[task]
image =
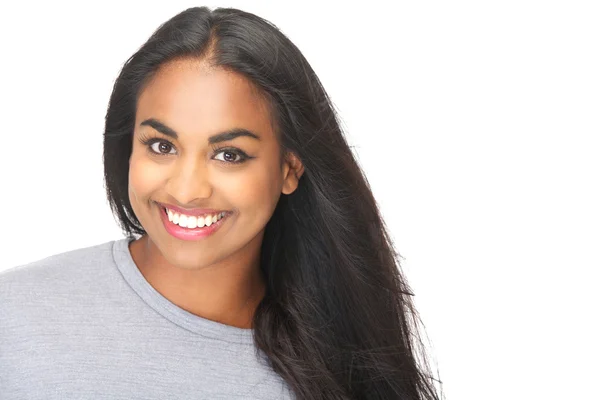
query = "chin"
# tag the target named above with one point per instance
(185, 258)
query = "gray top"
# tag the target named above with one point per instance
(86, 324)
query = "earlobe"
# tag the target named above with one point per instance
(289, 186)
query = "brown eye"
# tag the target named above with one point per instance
(161, 147)
(232, 156)
(229, 156)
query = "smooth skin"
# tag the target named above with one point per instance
(216, 277)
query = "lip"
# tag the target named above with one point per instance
(195, 212)
(187, 233)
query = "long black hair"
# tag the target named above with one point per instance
(337, 320)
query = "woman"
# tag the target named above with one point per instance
(255, 264)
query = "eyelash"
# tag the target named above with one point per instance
(148, 142)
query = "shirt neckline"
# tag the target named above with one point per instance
(172, 312)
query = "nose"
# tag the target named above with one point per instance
(189, 182)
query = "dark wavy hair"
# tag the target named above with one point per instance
(337, 320)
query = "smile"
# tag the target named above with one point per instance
(191, 221)
(190, 227)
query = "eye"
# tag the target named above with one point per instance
(232, 156)
(162, 147)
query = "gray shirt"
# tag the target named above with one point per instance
(86, 324)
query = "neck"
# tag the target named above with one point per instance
(227, 292)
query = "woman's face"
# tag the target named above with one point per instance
(182, 157)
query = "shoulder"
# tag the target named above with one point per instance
(55, 263)
(53, 273)
(43, 301)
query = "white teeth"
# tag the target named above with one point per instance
(183, 221)
(191, 222)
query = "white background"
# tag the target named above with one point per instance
(477, 124)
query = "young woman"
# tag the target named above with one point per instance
(256, 264)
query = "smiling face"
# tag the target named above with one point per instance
(203, 140)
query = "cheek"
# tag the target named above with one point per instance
(144, 178)
(257, 190)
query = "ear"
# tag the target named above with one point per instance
(292, 171)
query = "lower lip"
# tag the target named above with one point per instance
(187, 233)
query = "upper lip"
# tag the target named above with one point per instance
(190, 211)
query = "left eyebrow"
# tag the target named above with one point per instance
(229, 134)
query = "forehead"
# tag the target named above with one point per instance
(194, 98)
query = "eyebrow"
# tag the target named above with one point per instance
(229, 134)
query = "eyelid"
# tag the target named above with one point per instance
(149, 141)
(242, 154)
